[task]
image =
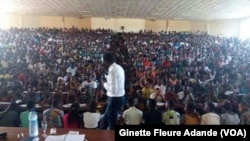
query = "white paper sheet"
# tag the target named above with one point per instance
(66, 137)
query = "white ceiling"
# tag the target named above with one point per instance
(145, 9)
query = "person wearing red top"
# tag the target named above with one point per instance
(73, 118)
(146, 63)
(166, 63)
(21, 77)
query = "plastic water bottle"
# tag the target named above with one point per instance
(33, 124)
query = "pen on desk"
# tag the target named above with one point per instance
(64, 139)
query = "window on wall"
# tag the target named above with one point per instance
(244, 29)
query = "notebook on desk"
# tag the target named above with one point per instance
(66, 137)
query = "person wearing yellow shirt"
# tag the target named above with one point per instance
(147, 89)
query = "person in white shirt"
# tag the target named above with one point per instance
(72, 69)
(210, 117)
(162, 84)
(228, 117)
(90, 83)
(157, 95)
(91, 118)
(133, 115)
(115, 87)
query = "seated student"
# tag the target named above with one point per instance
(152, 116)
(101, 98)
(157, 95)
(86, 96)
(210, 117)
(190, 116)
(244, 113)
(53, 115)
(73, 118)
(10, 117)
(228, 117)
(91, 118)
(171, 117)
(24, 116)
(133, 115)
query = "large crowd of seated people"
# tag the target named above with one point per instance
(171, 77)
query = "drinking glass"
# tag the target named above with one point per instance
(44, 127)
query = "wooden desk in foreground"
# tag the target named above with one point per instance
(90, 134)
(41, 107)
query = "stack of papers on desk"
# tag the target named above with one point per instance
(66, 137)
(83, 105)
(67, 105)
(25, 105)
(4, 103)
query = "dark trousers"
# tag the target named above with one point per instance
(110, 117)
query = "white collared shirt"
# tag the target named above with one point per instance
(72, 70)
(132, 116)
(91, 120)
(91, 84)
(210, 119)
(115, 84)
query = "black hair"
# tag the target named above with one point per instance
(74, 113)
(131, 102)
(13, 106)
(227, 106)
(151, 103)
(171, 103)
(108, 57)
(211, 106)
(244, 103)
(30, 105)
(55, 103)
(93, 106)
(191, 106)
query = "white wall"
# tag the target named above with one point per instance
(130, 25)
(228, 28)
(186, 25)
(102, 23)
(51, 21)
(7, 21)
(77, 22)
(225, 27)
(198, 26)
(179, 25)
(155, 25)
(244, 29)
(31, 21)
(134, 25)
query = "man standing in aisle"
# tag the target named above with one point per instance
(114, 83)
